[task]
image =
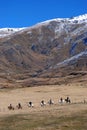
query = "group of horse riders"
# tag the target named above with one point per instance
(42, 103)
(19, 106)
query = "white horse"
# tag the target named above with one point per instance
(30, 104)
(50, 102)
(43, 103)
(61, 100)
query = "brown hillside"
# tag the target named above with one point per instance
(48, 53)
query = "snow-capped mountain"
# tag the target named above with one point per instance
(78, 19)
(5, 32)
(53, 49)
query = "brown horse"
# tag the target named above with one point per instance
(19, 106)
(10, 107)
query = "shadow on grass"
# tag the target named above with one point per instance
(44, 122)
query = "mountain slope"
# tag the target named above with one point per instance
(47, 53)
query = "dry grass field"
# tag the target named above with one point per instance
(55, 117)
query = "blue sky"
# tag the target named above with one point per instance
(24, 13)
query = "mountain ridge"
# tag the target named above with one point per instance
(80, 18)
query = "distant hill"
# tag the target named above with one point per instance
(51, 52)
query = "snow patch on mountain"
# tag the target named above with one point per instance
(73, 58)
(4, 32)
(78, 19)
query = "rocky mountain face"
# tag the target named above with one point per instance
(51, 52)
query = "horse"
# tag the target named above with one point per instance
(67, 100)
(50, 102)
(30, 104)
(42, 103)
(10, 107)
(19, 106)
(61, 100)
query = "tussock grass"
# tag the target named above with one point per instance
(44, 121)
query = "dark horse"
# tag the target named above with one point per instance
(10, 107)
(67, 100)
(19, 106)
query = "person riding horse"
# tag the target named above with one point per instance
(19, 106)
(10, 107)
(30, 104)
(67, 100)
(43, 103)
(50, 102)
(61, 100)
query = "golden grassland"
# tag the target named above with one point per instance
(55, 117)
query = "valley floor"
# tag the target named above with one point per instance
(76, 92)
